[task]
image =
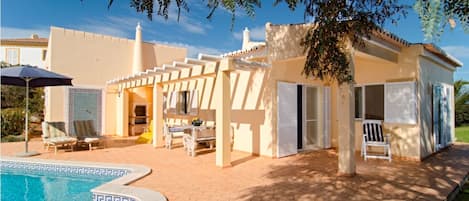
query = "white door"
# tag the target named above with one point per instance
(442, 125)
(287, 121)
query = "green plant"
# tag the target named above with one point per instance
(12, 121)
(462, 134)
(12, 138)
(461, 102)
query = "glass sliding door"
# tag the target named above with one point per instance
(85, 104)
(311, 114)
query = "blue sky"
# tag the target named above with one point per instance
(21, 18)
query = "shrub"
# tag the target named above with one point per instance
(12, 138)
(12, 121)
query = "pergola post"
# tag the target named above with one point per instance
(223, 114)
(158, 119)
(122, 112)
(346, 122)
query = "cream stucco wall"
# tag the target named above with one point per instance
(431, 72)
(373, 70)
(91, 60)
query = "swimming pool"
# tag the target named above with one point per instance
(20, 184)
(37, 179)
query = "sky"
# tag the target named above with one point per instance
(21, 18)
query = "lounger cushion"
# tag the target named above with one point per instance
(56, 129)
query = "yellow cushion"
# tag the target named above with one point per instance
(147, 137)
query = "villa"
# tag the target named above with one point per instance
(256, 97)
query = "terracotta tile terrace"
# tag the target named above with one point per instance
(305, 176)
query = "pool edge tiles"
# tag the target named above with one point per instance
(116, 189)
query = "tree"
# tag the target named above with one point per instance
(461, 102)
(435, 15)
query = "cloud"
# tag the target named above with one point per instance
(189, 24)
(460, 52)
(256, 33)
(115, 26)
(14, 32)
(193, 50)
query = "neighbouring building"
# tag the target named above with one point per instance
(26, 51)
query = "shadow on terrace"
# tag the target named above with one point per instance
(312, 176)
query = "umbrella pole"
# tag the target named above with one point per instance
(27, 117)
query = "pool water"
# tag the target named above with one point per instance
(18, 184)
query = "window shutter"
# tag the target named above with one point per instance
(194, 107)
(327, 117)
(173, 102)
(400, 103)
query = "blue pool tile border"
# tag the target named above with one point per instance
(109, 197)
(66, 169)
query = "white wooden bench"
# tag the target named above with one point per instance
(373, 137)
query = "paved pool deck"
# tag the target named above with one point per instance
(305, 176)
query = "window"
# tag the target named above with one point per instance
(358, 102)
(392, 102)
(44, 53)
(401, 103)
(183, 103)
(374, 102)
(12, 56)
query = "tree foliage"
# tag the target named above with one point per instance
(435, 15)
(335, 23)
(461, 102)
(147, 7)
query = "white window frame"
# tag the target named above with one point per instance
(363, 101)
(363, 86)
(415, 105)
(7, 58)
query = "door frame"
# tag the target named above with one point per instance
(67, 105)
(318, 120)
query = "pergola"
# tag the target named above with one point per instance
(202, 67)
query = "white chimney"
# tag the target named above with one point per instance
(246, 39)
(137, 65)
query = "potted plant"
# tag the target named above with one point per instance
(196, 121)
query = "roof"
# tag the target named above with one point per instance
(441, 54)
(393, 38)
(25, 41)
(243, 52)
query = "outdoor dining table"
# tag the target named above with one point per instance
(196, 132)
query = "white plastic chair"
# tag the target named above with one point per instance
(373, 137)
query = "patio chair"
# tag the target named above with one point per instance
(170, 133)
(54, 135)
(373, 137)
(86, 133)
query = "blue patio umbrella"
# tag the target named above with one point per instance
(30, 76)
